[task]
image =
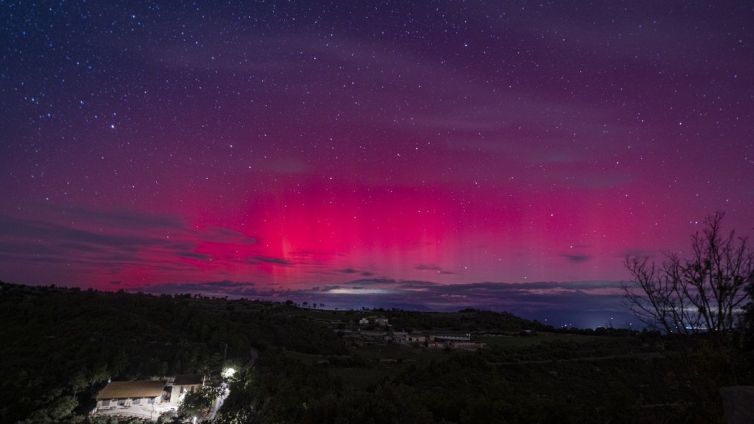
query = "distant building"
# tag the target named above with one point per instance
(402, 337)
(416, 338)
(450, 338)
(374, 320)
(125, 394)
(183, 384)
(449, 341)
(381, 321)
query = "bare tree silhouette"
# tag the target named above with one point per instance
(703, 293)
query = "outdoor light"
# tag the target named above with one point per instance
(229, 372)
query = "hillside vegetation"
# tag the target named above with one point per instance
(300, 365)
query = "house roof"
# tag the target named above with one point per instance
(131, 389)
(187, 380)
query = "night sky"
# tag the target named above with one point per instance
(369, 149)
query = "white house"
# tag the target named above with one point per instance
(124, 394)
(375, 320)
(416, 338)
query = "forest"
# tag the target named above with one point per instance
(298, 365)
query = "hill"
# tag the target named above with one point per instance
(301, 365)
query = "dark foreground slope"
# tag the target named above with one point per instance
(59, 346)
(546, 378)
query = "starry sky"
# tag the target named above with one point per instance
(368, 148)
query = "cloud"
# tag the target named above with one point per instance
(355, 271)
(360, 291)
(41, 230)
(126, 219)
(90, 245)
(434, 268)
(372, 282)
(575, 258)
(193, 255)
(226, 235)
(271, 260)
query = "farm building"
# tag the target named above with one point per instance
(128, 393)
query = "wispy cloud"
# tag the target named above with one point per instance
(575, 258)
(271, 260)
(433, 268)
(356, 271)
(90, 245)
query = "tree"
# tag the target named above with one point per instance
(749, 317)
(705, 292)
(199, 402)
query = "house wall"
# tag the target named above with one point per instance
(175, 393)
(114, 403)
(177, 390)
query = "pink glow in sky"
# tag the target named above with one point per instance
(293, 146)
